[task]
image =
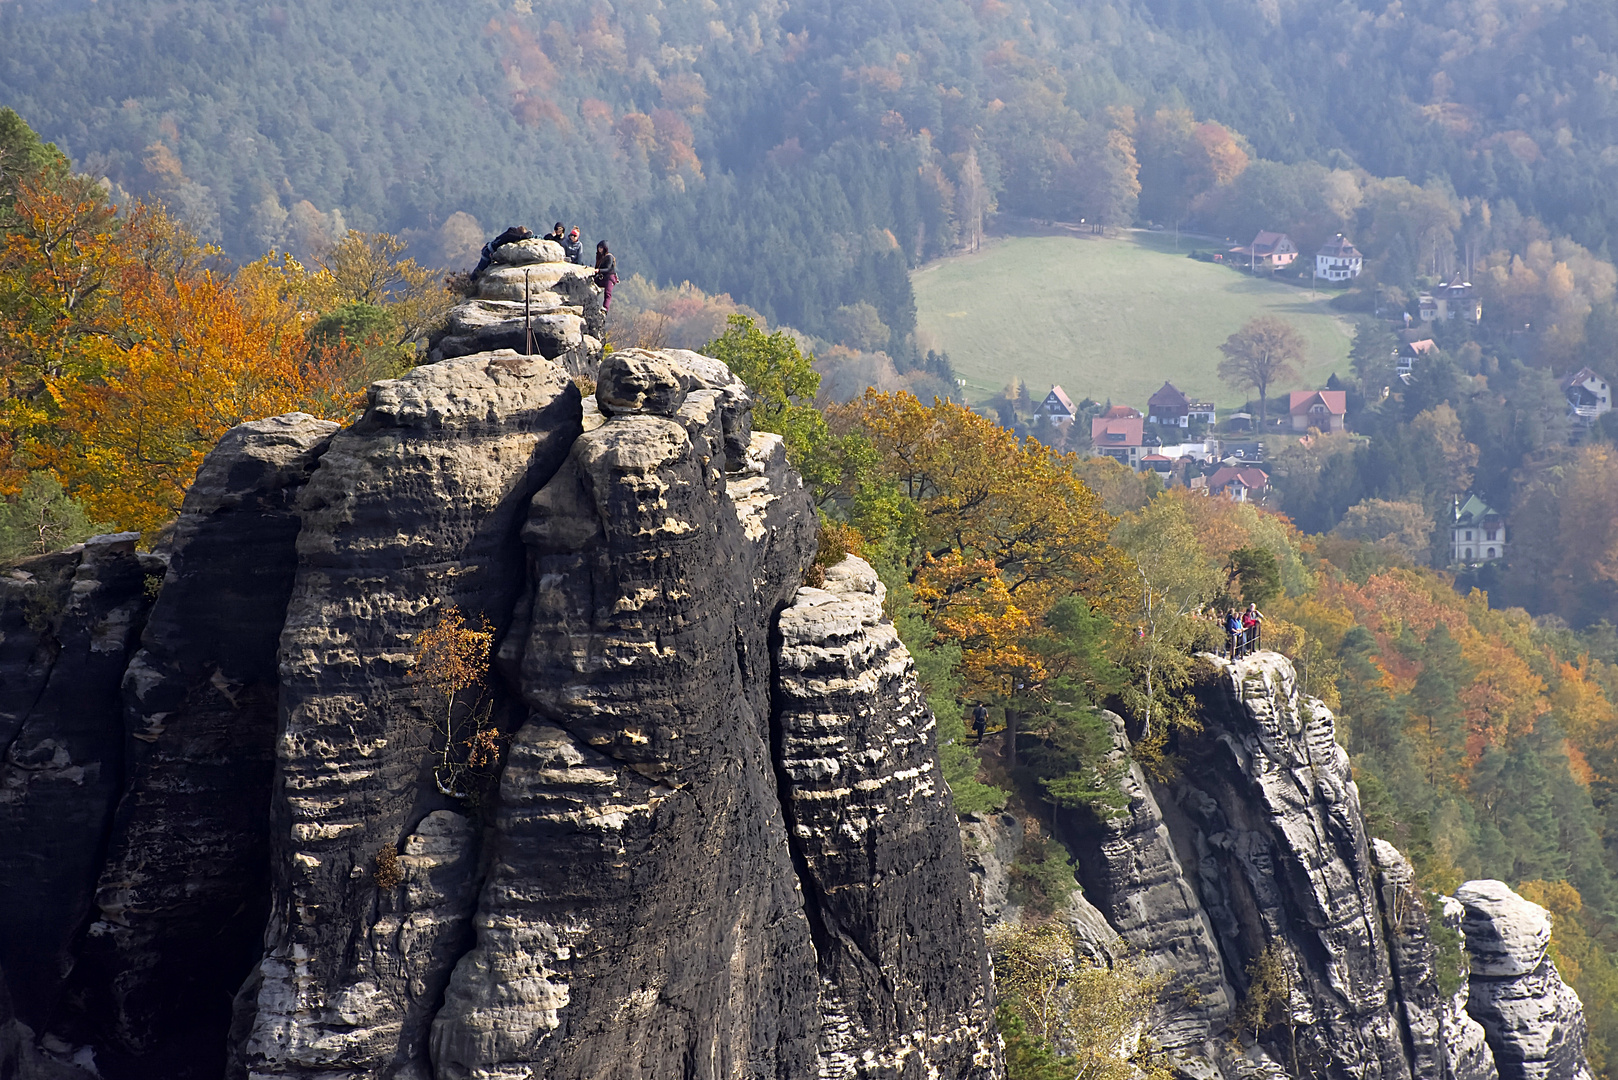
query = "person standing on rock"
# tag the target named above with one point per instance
(1233, 627)
(980, 720)
(1250, 620)
(512, 234)
(573, 247)
(606, 273)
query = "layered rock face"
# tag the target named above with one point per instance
(1534, 1021)
(647, 888)
(1258, 850)
(531, 301)
(895, 922)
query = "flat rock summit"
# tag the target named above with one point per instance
(687, 821)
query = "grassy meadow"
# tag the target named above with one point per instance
(1108, 318)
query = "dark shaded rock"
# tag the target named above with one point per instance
(1534, 1021)
(184, 890)
(904, 974)
(642, 917)
(415, 506)
(70, 621)
(1443, 1040)
(1133, 875)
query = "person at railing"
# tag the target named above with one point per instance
(1251, 620)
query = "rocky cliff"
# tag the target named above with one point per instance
(673, 813)
(1257, 853)
(710, 836)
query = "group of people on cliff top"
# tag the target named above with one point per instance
(1243, 628)
(606, 275)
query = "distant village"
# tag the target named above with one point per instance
(1184, 443)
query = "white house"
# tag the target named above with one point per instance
(1338, 260)
(1478, 533)
(1058, 406)
(1588, 395)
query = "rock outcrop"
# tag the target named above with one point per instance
(871, 825)
(645, 887)
(531, 301)
(1533, 1020)
(1258, 852)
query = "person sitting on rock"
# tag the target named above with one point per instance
(573, 247)
(510, 236)
(606, 273)
(558, 233)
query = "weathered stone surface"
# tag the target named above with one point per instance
(1443, 1040)
(516, 282)
(558, 330)
(1534, 1021)
(871, 826)
(184, 889)
(415, 506)
(1273, 823)
(639, 383)
(1133, 875)
(70, 622)
(641, 916)
(528, 252)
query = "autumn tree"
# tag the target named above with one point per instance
(1265, 351)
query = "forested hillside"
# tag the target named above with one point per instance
(802, 157)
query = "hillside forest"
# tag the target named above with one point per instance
(260, 205)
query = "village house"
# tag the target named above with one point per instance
(1338, 260)
(1588, 395)
(1478, 533)
(1452, 300)
(1268, 251)
(1058, 407)
(1168, 406)
(1119, 437)
(1242, 483)
(1411, 351)
(1323, 410)
(1201, 410)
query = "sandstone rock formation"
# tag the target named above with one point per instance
(529, 301)
(1534, 1022)
(653, 887)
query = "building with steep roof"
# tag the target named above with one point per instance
(1119, 437)
(1323, 410)
(1338, 260)
(1455, 298)
(1058, 406)
(1168, 406)
(1478, 533)
(1268, 251)
(1239, 483)
(1588, 395)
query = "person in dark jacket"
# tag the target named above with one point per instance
(573, 247)
(558, 233)
(606, 273)
(980, 720)
(510, 236)
(1233, 627)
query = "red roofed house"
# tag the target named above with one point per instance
(1411, 351)
(1119, 437)
(1239, 483)
(1121, 412)
(1323, 410)
(1268, 251)
(1058, 406)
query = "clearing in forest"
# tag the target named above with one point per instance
(1109, 318)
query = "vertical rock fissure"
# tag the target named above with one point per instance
(813, 909)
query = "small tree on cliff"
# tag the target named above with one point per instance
(783, 383)
(1264, 352)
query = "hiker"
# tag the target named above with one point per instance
(573, 248)
(1233, 627)
(1250, 620)
(606, 273)
(558, 233)
(980, 720)
(512, 234)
